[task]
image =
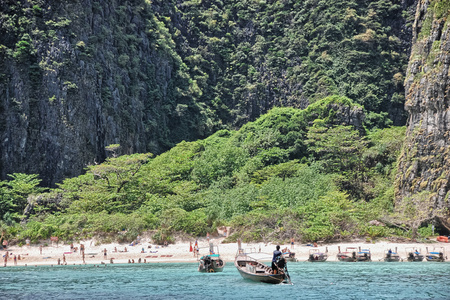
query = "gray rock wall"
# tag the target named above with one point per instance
(425, 161)
(93, 73)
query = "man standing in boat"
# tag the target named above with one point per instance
(276, 255)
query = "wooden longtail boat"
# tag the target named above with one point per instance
(413, 254)
(252, 269)
(315, 255)
(363, 255)
(352, 254)
(349, 255)
(437, 254)
(290, 256)
(391, 256)
(211, 264)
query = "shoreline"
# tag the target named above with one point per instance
(179, 252)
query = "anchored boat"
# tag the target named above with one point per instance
(315, 255)
(413, 254)
(352, 254)
(391, 256)
(212, 262)
(437, 254)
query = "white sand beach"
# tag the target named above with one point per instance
(147, 252)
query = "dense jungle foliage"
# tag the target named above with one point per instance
(291, 173)
(248, 56)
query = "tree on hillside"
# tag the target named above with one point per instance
(339, 149)
(14, 194)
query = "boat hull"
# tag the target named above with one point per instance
(414, 258)
(253, 270)
(274, 278)
(392, 259)
(210, 264)
(317, 258)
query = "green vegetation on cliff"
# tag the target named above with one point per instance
(149, 74)
(291, 173)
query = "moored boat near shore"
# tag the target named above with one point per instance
(414, 255)
(289, 256)
(437, 254)
(364, 255)
(212, 262)
(391, 256)
(315, 255)
(349, 255)
(352, 254)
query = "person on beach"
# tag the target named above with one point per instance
(40, 249)
(276, 255)
(64, 259)
(82, 255)
(5, 259)
(104, 253)
(15, 260)
(292, 243)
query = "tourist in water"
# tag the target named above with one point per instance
(276, 255)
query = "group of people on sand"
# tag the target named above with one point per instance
(8, 255)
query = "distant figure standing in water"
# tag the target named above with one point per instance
(276, 254)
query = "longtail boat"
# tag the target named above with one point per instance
(437, 254)
(391, 256)
(315, 255)
(252, 269)
(413, 254)
(212, 262)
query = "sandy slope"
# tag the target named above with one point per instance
(179, 252)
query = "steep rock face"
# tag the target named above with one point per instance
(425, 161)
(77, 76)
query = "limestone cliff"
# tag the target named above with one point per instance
(425, 162)
(77, 76)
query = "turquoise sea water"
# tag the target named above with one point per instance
(329, 280)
